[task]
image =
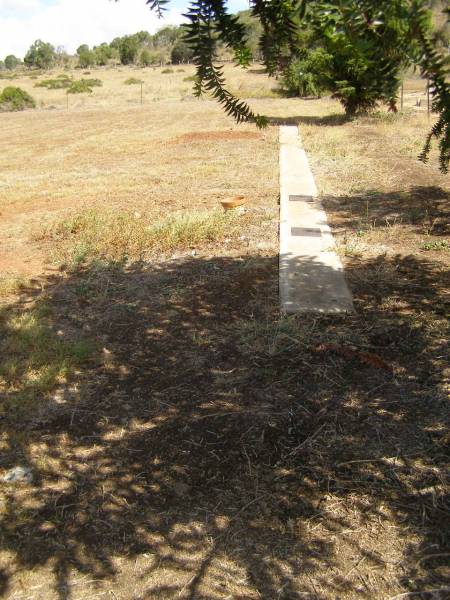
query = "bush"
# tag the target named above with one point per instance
(145, 58)
(86, 58)
(190, 78)
(83, 86)
(167, 71)
(128, 49)
(133, 81)
(181, 52)
(14, 98)
(308, 75)
(80, 87)
(11, 62)
(93, 82)
(61, 83)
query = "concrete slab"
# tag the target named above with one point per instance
(311, 273)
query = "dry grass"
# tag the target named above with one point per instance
(159, 84)
(11, 284)
(106, 152)
(116, 237)
(35, 359)
(215, 450)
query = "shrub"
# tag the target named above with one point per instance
(145, 58)
(190, 78)
(93, 82)
(80, 87)
(11, 62)
(128, 49)
(55, 84)
(133, 81)
(436, 245)
(167, 71)
(308, 75)
(83, 86)
(181, 52)
(14, 98)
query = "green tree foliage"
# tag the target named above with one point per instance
(441, 25)
(41, 55)
(370, 46)
(253, 32)
(2, 65)
(181, 52)
(62, 58)
(128, 49)
(15, 99)
(310, 74)
(86, 59)
(145, 58)
(11, 62)
(166, 36)
(372, 39)
(103, 54)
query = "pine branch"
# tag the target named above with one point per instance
(208, 21)
(158, 6)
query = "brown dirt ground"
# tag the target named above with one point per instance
(213, 450)
(202, 136)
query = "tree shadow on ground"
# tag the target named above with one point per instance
(329, 120)
(425, 207)
(226, 452)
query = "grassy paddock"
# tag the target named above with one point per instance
(186, 440)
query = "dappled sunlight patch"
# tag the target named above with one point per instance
(246, 465)
(218, 449)
(12, 283)
(35, 359)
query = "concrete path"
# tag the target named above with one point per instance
(311, 274)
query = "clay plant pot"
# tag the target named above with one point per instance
(233, 202)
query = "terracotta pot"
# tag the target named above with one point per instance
(233, 202)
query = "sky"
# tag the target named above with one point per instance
(70, 23)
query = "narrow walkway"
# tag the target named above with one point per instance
(311, 274)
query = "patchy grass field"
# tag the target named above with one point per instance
(186, 441)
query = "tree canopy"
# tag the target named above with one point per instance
(41, 55)
(11, 62)
(368, 43)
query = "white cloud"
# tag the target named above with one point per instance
(70, 23)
